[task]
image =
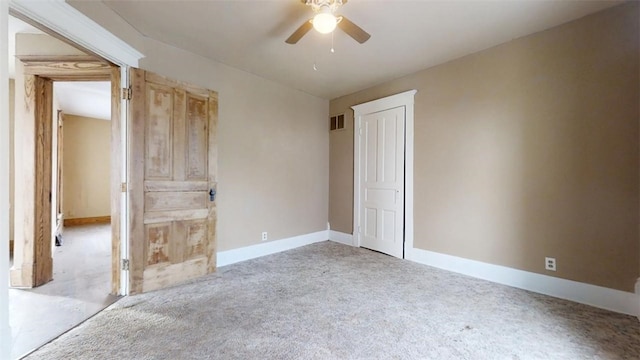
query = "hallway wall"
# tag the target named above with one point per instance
(85, 167)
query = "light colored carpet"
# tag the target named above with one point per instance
(330, 301)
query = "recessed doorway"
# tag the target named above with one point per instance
(66, 104)
(383, 175)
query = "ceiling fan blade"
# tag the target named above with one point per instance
(353, 30)
(298, 34)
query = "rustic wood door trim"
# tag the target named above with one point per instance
(32, 262)
(42, 259)
(68, 68)
(35, 267)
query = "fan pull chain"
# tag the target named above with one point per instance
(332, 50)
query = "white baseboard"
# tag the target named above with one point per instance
(254, 251)
(341, 237)
(597, 296)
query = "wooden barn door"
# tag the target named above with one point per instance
(173, 182)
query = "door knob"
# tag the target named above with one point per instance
(212, 194)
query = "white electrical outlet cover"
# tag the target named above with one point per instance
(550, 263)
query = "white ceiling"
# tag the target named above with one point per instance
(84, 98)
(406, 36)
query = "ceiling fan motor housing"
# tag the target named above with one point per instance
(319, 5)
(325, 21)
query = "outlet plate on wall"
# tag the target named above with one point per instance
(550, 263)
(264, 236)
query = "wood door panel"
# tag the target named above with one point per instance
(179, 124)
(176, 186)
(174, 164)
(196, 234)
(157, 240)
(197, 138)
(150, 77)
(173, 200)
(176, 241)
(159, 133)
(158, 277)
(177, 215)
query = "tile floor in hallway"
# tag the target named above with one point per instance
(80, 288)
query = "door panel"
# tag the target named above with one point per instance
(382, 181)
(174, 159)
(175, 200)
(159, 132)
(196, 138)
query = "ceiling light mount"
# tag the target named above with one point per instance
(318, 5)
(325, 21)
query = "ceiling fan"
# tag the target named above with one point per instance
(325, 21)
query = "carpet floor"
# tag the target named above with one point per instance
(331, 301)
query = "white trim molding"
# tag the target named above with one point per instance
(406, 99)
(5, 329)
(340, 237)
(70, 23)
(597, 296)
(255, 251)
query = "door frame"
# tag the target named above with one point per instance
(59, 216)
(63, 21)
(50, 69)
(405, 99)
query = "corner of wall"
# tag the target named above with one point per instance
(638, 295)
(623, 302)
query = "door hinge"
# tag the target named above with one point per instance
(125, 264)
(123, 187)
(126, 93)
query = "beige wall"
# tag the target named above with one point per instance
(85, 167)
(42, 44)
(273, 142)
(273, 150)
(341, 172)
(23, 169)
(526, 150)
(12, 92)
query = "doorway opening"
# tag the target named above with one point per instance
(66, 253)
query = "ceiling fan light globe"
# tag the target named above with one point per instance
(324, 23)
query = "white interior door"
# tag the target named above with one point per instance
(382, 181)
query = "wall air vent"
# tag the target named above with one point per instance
(336, 122)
